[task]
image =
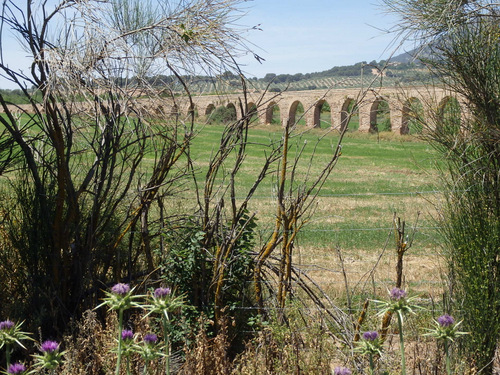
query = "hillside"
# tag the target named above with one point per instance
(400, 72)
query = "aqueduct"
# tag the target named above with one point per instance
(399, 104)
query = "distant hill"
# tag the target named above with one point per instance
(402, 69)
(412, 56)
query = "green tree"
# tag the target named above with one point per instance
(462, 40)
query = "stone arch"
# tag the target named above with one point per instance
(348, 112)
(317, 113)
(209, 109)
(252, 112)
(271, 116)
(296, 110)
(233, 115)
(412, 116)
(380, 115)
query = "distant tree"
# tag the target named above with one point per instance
(269, 77)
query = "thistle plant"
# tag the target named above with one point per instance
(10, 334)
(149, 350)
(399, 304)
(120, 299)
(371, 345)
(446, 330)
(127, 348)
(341, 371)
(163, 302)
(16, 368)
(50, 358)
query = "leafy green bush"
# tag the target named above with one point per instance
(188, 265)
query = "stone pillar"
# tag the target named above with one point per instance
(309, 116)
(397, 117)
(365, 117)
(336, 108)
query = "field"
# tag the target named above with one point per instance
(346, 247)
(377, 177)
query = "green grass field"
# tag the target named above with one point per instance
(376, 177)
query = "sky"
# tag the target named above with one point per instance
(305, 36)
(297, 36)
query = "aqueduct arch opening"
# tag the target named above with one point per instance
(209, 109)
(349, 115)
(296, 112)
(232, 114)
(380, 115)
(322, 114)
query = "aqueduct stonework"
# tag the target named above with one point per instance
(399, 103)
(339, 100)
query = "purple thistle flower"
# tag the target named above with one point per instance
(6, 324)
(445, 320)
(127, 335)
(397, 294)
(370, 335)
(120, 289)
(16, 368)
(150, 338)
(162, 292)
(341, 371)
(49, 346)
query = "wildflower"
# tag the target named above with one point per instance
(49, 346)
(399, 304)
(446, 330)
(16, 368)
(126, 346)
(127, 335)
(162, 292)
(120, 289)
(163, 301)
(371, 346)
(150, 339)
(341, 371)
(149, 350)
(10, 334)
(120, 299)
(51, 357)
(445, 320)
(370, 335)
(6, 325)
(396, 294)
